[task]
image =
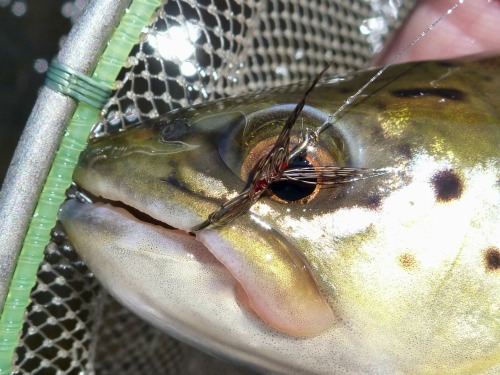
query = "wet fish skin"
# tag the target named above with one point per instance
(408, 261)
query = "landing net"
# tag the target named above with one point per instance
(193, 52)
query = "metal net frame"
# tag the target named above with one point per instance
(189, 52)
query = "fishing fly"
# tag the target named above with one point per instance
(269, 169)
(278, 164)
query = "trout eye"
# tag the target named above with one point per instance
(295, 191)
(298, 190)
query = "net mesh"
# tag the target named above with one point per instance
(198, 51)
(194, 51)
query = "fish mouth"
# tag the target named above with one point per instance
(282, 293)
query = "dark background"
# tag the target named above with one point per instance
(30, 34)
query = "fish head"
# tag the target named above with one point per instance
(395, 273)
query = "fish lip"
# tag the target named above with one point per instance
(85, 196)
(280, 291)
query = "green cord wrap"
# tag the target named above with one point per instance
(138, 15)
(77, 85)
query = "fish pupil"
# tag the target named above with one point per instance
(293, 191)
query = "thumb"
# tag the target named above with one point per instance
(473, 27)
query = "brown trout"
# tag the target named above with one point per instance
(398, 273)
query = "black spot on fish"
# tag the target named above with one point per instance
(492, 259)
(452, 94)
(447, 185)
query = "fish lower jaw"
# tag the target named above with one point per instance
(302, 313)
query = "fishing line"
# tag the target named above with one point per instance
(352, 98)
(273, 167)
(333, 175)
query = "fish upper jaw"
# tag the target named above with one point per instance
(277, 282)
(274, 282)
